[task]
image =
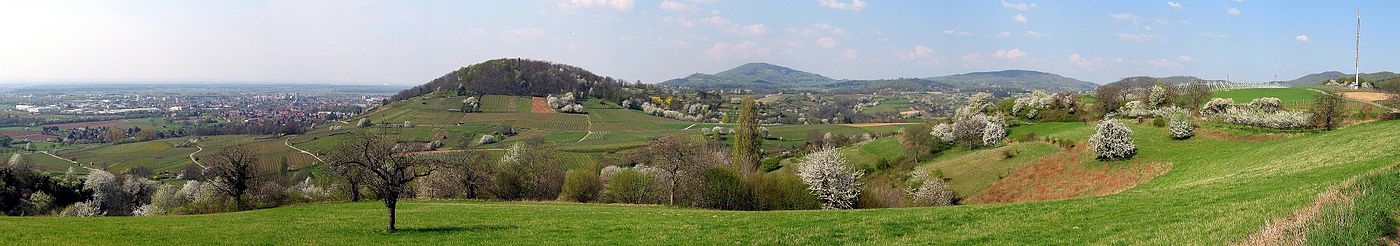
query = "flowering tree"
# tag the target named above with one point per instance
(1181, 127)
(994, 131)
(1267, 104)
(1113, 140)
(933, 192)
(944, 132)
(1157, 97)
(830, 179)
(1217, 106)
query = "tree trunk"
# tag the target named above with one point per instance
(354, 191)
(391, 204)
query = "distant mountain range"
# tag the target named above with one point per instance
(769, 77)
(1320, 78)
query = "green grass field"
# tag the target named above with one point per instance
(1218, 192)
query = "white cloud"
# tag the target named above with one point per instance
(1139, 38)
(616, 4)
(1090, 63)
(1019, 19)
(522, 34)
(755, 29)
(1018, 6)
(745, 50)
(837, 4)
(818, 29)
(1125, 17)
(674, 5)
(826, 42)
(1174, 5)
(1003, 34)
(1185, 58)
(475, 32)
(1034, 34)
(958, 33)
(919, 52)
(1232, 11)
(1009, 54)
(679, 21)
(1214, 35)
(850, 54)
(717, 20)
(971, 58)
(1302, 38)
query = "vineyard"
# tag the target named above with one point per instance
(551, 121)
(156, 155)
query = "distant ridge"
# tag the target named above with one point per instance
(769, 77)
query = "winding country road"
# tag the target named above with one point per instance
(196, 162)
(289, 145)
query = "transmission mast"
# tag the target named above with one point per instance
(1358, 48)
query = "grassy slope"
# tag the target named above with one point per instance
(1217, 192)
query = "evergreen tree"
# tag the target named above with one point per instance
(748, 141)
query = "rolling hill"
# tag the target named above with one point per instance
(757, 76)
(1020, 79)
(769, 77)
(1320, 78)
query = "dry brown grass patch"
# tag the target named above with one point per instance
(539, 105)
(1068, 174)
(1293, 230)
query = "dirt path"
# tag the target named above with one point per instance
(879, 124)
(590, 128)
(539, 105)
(60, 157)
(1293, 230)
(1367, 96)
(1362, 101)
(289, 145)
(196, 162)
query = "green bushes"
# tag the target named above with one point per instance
(580, 186)
(724, 189)
(781, 191)
(629, 186)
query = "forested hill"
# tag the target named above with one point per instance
(514, 76)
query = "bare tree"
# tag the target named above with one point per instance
(682, 161)
(1328, 111)
(232, 170)
(386, 169)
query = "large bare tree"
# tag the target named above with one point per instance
(386, 170)
(232, 171)
(683, 159)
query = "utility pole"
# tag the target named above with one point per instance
(1358, 48)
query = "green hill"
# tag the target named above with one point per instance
(1020, 79)
(757, 76)
(1218, 192)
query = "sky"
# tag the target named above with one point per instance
(412, 42)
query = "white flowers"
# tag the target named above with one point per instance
(1267, 104)
(829, 179)
(1217, 106)
(565, 103)
(1180, 127)
(1113, 140)
(488, 139)
(1281, 119)
(697, 112)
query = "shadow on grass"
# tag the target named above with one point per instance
(456, 229)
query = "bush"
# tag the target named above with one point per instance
(580, 186)
(1159, 122)
(1113, 141)
(932, 192)
(629, 186)
(723, 189)
(1217, 106)
(1267, 104)
(1181, 127)
(1278, 119)
(781, 191)
(830, 179)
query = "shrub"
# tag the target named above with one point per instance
(994, 131)
(629, 186)
(1113, 141)
(781, 191)
(944, 131)
(1159, 122)
(1217, 106)
(830, 179)
(1181, 127)
(1267, 104)
(723, 189)
(932, 192)
(488, 139)
(1282, 119)
(881, 196)
(580, 186)
(113, 195)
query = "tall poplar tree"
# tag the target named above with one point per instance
(748, 141)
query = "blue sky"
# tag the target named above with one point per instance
(411, 42)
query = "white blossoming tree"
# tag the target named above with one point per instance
(1181, 127)
(830, 179)
(1113, 141)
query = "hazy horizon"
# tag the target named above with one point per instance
(412, 42)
